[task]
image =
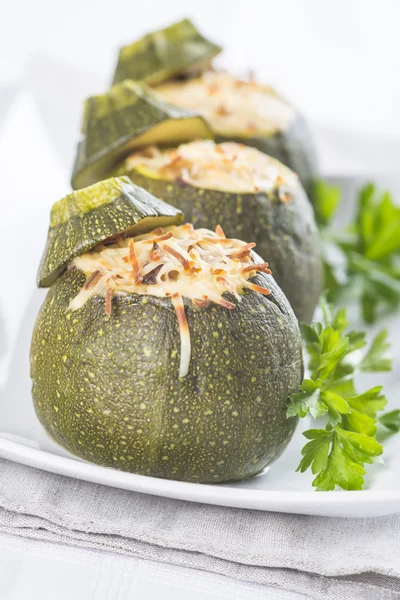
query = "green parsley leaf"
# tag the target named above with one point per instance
(330, 461)
(307, 401)
(328, 200)
(391, 420)
(345, 465)
(316, 452)
(377, 359)
(369, 402)
(337, 455)
(361, 261)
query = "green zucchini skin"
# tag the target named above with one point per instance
(285, 232)
(293, 147)
(113, 122)
(165, 53)
(81, 231)
(108, 389)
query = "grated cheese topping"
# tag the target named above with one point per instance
(232, 106)
(177, 262)
(229, 167)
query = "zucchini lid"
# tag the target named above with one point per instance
(129, 115)
(82, 219)
(166, 53)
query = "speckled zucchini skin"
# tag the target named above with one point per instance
(108, 390)
(294, 148)
(285, 232)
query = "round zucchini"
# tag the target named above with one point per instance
(169, 52)
(128, 116)
(250, 113)
(106, 384)
(82, 219)
(280, 221)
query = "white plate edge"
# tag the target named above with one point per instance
(336, 504)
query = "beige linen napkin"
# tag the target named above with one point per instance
(339, 559)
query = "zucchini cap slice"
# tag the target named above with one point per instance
(166, 53)
(128, 116)
(82, 219)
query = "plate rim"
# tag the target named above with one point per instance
(304, 502)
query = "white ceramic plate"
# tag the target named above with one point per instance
(278, 490)
(25, 209)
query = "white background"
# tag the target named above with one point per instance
(337, 60)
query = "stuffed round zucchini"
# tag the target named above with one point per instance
(236, 109)
(250, 194)
(164, 350)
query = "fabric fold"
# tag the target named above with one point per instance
(321, 557)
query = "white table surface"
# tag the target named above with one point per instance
(44, 571)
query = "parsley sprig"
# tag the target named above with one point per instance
(391, 420)
(338, 453)
(362, 260)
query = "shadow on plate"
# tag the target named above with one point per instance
(3, 337)
(16, 410)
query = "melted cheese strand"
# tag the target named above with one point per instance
(177, 303)
(134, 261)
(181, 262)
